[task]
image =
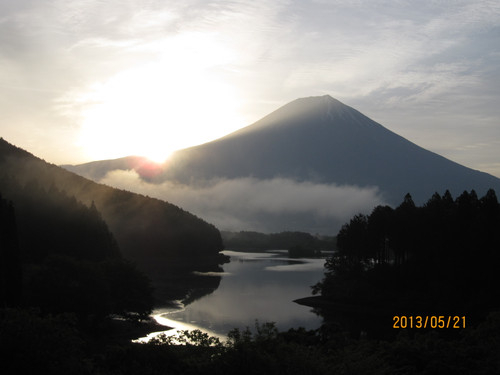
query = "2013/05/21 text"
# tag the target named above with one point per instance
(428, 321)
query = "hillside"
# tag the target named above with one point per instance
(152, 233)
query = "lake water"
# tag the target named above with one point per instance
(254, 286)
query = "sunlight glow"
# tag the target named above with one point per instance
(159, 107)
(176, 327)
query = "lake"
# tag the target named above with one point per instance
(253, 286)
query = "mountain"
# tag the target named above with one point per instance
(322, 140)
(308, 166)
(156, 235)
(96, 170)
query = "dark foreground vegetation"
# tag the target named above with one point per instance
(31, 343)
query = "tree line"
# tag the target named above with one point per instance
(445, 253)
(298, 243)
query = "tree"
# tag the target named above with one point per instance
(405, 232)
(352, 239)
(380, 224)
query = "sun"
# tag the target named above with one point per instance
(157, 108)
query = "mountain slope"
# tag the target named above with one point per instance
(322, 140)
(96, 170)
(149, 231)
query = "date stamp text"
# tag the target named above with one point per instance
(428, 321)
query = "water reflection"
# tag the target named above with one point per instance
(175, 326)
(254, 286)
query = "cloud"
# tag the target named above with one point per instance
(265, 205)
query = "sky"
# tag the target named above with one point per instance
(88, 80)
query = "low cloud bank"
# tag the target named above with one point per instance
(263, 205)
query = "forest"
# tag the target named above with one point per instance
(58, 256)
(443, 256)
(161, 239)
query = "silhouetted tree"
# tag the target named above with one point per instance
(380, 224)
(406, 230)
(352, 239)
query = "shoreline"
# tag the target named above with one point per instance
(318, 302)
(127, 331)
